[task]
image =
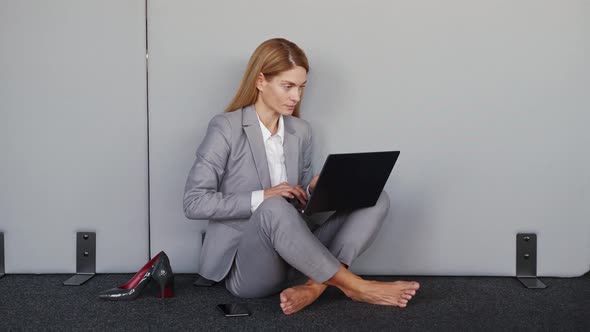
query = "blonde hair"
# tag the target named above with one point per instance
(270, 58)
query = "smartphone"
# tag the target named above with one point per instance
(234, 309)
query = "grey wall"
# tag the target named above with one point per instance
(73, 138)
(487, 102)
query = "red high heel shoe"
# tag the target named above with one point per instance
(158, 269)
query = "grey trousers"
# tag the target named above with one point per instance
(277, 239)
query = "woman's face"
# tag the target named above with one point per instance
(282, 92)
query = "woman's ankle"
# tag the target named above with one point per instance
(312, 283)
(348, 282)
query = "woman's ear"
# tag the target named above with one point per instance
(260, 82)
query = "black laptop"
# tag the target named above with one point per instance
(350, 181)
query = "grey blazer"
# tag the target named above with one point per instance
(230, 165)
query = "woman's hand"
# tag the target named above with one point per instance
(312, 184)
(286, 190)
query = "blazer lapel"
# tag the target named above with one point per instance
(254, 134)
(291, 149)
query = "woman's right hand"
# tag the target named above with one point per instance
(286, 190)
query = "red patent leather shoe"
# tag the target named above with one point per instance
(158, 269)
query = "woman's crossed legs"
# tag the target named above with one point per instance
(277, 237)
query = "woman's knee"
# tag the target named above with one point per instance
(383, 203)
(276, 206)
(276, 210)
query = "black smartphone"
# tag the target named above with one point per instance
(234, 309)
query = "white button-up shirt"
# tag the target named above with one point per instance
(275, 157)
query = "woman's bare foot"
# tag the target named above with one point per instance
(296, 298)
(397, 293)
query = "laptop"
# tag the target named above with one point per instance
(350, 181)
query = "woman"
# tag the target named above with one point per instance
(255, 156)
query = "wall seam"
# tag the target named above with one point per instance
(147, 94)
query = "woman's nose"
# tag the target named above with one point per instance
(295, 96)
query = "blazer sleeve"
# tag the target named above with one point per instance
(307, 173)
(202, 200)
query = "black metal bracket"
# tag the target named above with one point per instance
(526, 260)
(85, 259)
(2, 270)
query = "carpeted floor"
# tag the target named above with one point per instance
(33, 302)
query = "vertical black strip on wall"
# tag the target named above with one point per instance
(147, 94)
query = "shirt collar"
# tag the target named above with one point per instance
(266, 133)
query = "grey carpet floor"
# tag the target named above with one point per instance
(40, 302)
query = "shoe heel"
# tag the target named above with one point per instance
(164, 276)
(166, 288)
